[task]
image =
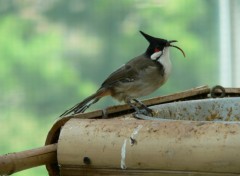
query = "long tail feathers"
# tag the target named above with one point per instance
(82, 106)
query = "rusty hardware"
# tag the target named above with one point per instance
(218, 92)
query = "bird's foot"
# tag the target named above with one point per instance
(143, 111)
(105, 114)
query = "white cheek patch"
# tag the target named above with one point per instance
(156, 55)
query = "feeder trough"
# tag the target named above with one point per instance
(196, 132)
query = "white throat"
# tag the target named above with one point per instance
(164, 60)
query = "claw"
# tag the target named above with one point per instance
(145, 111)
(149, 112)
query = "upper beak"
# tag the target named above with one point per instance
(172, 41)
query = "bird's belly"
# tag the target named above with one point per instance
(142, 86)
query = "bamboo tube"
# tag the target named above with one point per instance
(14, 162)
(129, 144)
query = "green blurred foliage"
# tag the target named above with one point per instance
(55, 53)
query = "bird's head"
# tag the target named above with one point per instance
(157, 45)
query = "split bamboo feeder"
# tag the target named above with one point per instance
(191, 133)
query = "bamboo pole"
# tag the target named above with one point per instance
(17, 161)
(129, 144)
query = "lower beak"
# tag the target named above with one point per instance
(172, 41)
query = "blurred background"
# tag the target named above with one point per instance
(55, 53)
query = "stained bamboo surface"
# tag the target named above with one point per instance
(137, 147)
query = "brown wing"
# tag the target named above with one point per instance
(124, 73)
(129, 71)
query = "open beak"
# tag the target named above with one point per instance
(172, 41)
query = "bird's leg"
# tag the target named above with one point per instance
(147, 109)
(138, 111)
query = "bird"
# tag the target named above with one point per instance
(139, 77)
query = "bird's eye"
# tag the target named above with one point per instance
(156, 50)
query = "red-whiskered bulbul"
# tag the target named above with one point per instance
(139, 77)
